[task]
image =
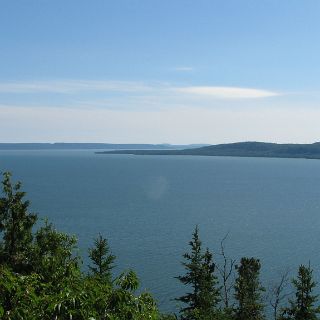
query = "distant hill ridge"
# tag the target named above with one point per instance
(239, 149)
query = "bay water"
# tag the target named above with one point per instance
(148, 207)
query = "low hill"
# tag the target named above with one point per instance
(240, 149)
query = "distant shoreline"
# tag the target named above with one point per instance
(239, 149)
(92, 146)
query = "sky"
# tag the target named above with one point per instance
(169, 71)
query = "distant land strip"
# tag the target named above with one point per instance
(239, 149)
(92, 146)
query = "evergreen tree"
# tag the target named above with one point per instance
(103, 260)
(209, 295)
(248, 290)
(202, 300)
(15, 225)
(302, 308)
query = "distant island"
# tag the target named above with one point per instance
(92, 146)
(239, 149)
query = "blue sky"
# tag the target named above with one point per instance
(159, 71)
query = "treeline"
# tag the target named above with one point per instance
(41, 277)
(241, 296)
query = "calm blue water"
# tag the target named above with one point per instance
(148, 207)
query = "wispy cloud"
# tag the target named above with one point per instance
(227, 92)
(71, 86)
(184, 69)
(144, 89)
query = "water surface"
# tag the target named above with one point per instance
(148, 206)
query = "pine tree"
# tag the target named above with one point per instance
(209, 295)
(202, 300)
(16, 226)
(302, 308)
(248, 290)
(102, 259)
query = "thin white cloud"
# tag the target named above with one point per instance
(227, 92)
(158, 90)
(184, 69)
(71, 86)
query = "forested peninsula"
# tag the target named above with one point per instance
(239, 149)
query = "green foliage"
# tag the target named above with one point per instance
(203, 299)
(124, 305)
(53, 253)
(15, 225)
(248, 290)
(19, 295)
(302, 308)
(27, 297)
(102, 259)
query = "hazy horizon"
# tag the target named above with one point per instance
(152, 143)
